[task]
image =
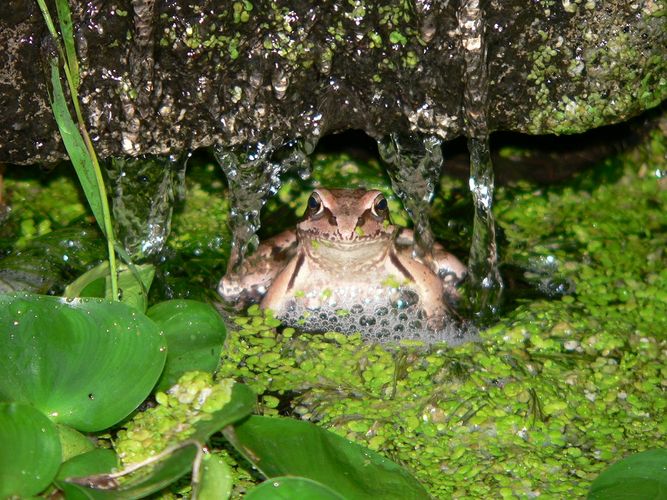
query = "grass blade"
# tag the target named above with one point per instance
(67, 33)
(47, 19)
(85, 164)
(76, 148)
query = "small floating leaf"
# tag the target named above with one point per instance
(97, 461)
(216, 480)
(73, 442)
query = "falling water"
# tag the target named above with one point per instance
(143, 193)
(414, 168)
(253, 176)
(485, 282)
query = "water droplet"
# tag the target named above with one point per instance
(280, 82)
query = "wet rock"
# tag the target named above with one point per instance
(163, 77)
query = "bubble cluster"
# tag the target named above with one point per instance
(388, 323)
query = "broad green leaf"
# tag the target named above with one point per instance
(97, 461)
(76, 148)
(215, 481)
(286, 447)
(86, 363)
(65, 19)
(288, 488)
(29, 450)
(640, 476)
(195, 334)
(96, 282)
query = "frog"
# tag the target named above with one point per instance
(345, 257)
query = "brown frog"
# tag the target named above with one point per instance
(347, 259)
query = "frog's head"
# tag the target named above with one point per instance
(347, 218)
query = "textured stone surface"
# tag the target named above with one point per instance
(160, 78)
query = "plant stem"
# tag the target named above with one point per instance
(106, 213)
(108, 227)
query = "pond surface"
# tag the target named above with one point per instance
(569, 378)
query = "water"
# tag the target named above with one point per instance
(253, 176)
(414, 169)
(485, 284)
(143, 191)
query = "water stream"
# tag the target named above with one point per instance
(143, 191)
(485, 284)
(253, 176)
(414, 169)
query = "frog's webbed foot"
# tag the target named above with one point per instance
(239, 294)
(250, 282)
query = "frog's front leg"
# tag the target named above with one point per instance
(250, 283)
(289, 279)
(425, 282)
(448, 268)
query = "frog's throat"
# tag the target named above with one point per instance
(355, 253)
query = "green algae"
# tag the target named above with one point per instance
(38, 208)
(286, 34)
(173, 419)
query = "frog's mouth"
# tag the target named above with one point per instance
(352, 239)
(336, 249)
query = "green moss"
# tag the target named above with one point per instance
(573, 93)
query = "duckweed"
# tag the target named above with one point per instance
(173, 419)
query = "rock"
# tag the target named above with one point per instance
(163, 77)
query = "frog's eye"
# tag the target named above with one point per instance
(380, 206)
(314, 204)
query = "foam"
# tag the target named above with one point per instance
(389, 323)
